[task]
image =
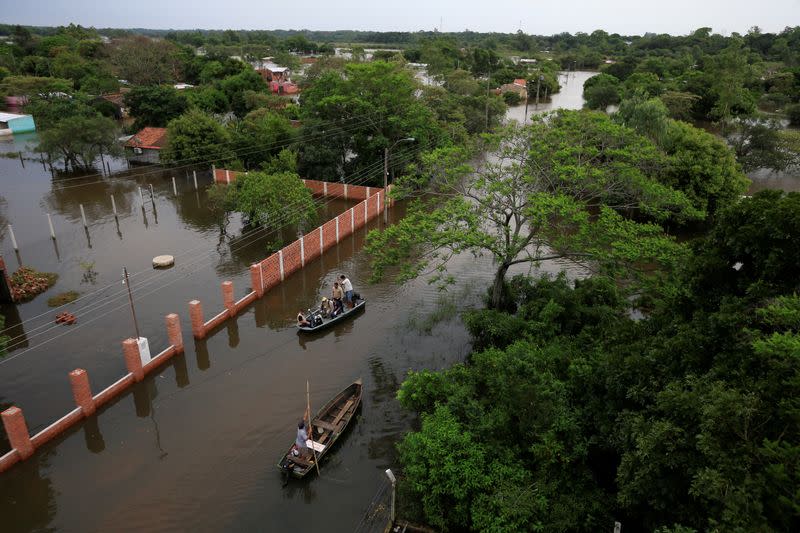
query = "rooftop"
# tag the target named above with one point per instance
(5, 117)
(152, 138)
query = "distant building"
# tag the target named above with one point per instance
(146, 146)
(118, 101)
(283, 87)
(182, 86)
(272, 73)
(519, 86)
(525, 61)
(14, 123)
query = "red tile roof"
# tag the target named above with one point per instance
(521, 82)
(151, 138)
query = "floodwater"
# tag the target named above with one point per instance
(193, 447)
(569, 97)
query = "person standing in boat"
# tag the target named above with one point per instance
(348, 290)
(300, 441)
(337, 295)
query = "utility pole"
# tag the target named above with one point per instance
(127, 282)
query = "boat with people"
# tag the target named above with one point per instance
(319, 318)
(325, 429)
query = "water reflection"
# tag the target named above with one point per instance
(27, 497)
(201, 352)
(95, 442)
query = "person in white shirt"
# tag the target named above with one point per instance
(348, 290)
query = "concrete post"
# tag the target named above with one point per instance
(227, 177)
(17, 431)
(13, 238)
(302, 251)
(174, 333)
(50, 223)
(321, 241)
(196, 316)
(227, 297)
(174, 187)
(337, 230)
(83, 216)
(280, 263)
(113, 205)
(133, 361)
(256, 279)
(214, 173)
(345, 191)
(81, 391)
(194, 177)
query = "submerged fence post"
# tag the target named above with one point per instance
(393, 481)
(17, 431)
(196, 316)
(174, 333)
(194, 177)
(83, 216)
(13, 238)
(174, 187)
(81, 391)
(257, 279)
(227, 297)
(113, 206)
(133, 361)
(50, 222)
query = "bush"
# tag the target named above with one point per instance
(793, 112)
(511, 98)
(63, 298)
(490, 328)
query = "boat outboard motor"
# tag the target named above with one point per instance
(317, 320)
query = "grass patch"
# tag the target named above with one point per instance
(64, 298)
(27, 283)
(10, 155)
(448, 306)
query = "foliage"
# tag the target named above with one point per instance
(601, 91)
(155, 105)
(33, 85)
(793, 112)
(143, 61)
(27, 283)
(62, 298)
(195, 136)
(758, 143)
(260, 136)
(682, 421)
(511, 98)
(352, 116)
(274, 199)
(532, 200)
(236, 86)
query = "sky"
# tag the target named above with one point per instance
(627, 17)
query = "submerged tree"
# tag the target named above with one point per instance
(555, 189)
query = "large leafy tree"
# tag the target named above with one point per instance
(196, 136)
(145, 61)
(261, 135)
(274, 199)
(554, 189)
(155, 105)
(351, 116)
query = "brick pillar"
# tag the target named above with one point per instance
(174, 331)
(227, 297)
(256, 279)
(196, 316)
(17, 431)
(81, 391)
(133, 361)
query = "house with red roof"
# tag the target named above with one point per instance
(146, 146)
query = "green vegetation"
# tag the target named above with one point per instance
(27, 283)
(682, 421)
(63, 298)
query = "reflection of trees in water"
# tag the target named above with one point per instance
(27, 499)
(383, 403)
(65, 198)
(253, 245)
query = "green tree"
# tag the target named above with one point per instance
(274, 199)
(261, 135)
(155, 105)
(80, 140)
(531, 201)
(195, 136)
(601, 91)
(144, 61)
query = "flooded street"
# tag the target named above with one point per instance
(193, 447)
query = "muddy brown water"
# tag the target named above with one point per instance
(193, 447)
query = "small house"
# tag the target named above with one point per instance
(146, 146)
(14, 123)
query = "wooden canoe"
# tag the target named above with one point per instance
(328, 322)
(328, 425)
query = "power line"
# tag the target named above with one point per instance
(406, 156)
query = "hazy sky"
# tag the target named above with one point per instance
(533, 16)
